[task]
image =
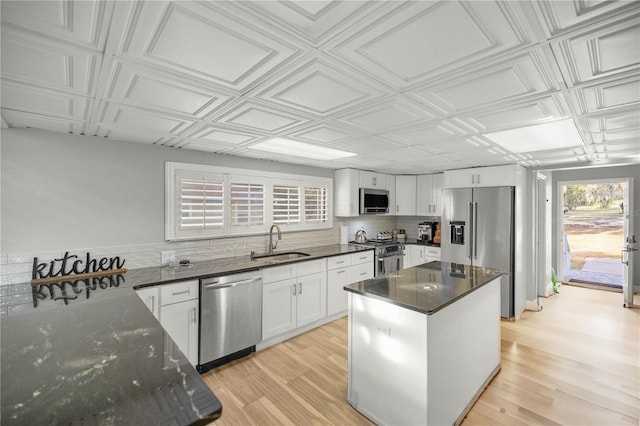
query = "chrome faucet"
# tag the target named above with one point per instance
(272, 245)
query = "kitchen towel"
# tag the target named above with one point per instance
(344, 234)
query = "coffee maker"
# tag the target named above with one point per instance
(426, 232)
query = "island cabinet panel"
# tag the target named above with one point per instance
(387, 362)
(410, 367)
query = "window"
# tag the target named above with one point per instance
(286, 204)
(201, 204)
(209, 201)
(316, 207)
(247, 204)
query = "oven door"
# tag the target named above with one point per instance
(388, 264)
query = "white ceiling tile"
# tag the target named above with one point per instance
(40, 62)
(601, 51)
(619, 92)
(81, 22)
(560, 16)
(35, 100)
(154, 124)
(43, 122)
(146, 88)
(259, 117)
(451, 35)
(320, 88)
(211, 134)
(325, 134)
(385, 116)
(202, 41)
(313, 21)
(534, 111)
(510, 81)
(425, 135)
(207, 146)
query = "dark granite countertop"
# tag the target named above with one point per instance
(426, 288)
(89, 351)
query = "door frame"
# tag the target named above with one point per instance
(627, 227)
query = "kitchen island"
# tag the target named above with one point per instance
(424, 342)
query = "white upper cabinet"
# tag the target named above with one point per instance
(345, 182)
(429, 194)
(481, 176)
(372, 180)
(405, 195)
(390, 181)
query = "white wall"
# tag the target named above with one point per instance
(87, 194)
(69, 191)
(599, 173)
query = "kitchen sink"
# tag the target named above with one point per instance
(279, 257)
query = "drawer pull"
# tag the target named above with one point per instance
(342, 271)
(342, 261)
(181, 292)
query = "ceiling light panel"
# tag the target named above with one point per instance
(540, 137)
(300, 149)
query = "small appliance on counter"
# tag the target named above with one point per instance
(384, 235)
(427, 232)
(399, 234)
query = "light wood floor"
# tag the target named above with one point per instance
(576, 362)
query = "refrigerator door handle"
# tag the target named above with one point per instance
(471, 232)
(475, 230)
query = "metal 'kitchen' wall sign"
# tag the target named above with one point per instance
(74, 267)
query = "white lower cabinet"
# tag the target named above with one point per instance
(416, 254)
(180, 320)
(151, 297)
(278, 307)
(292, 296)
(176, 306)
(343, 270)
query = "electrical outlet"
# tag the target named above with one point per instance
(168, 256)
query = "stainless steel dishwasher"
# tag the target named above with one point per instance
(230, 318)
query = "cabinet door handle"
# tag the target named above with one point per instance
(397, 208)
(195, 320)
(299, 288)
(153, 304)
(294, 289)
(181, 292)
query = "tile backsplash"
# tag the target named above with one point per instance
(16, 268)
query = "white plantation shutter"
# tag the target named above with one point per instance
(286, 204)
(201, 204)
(204, 201)
(316, 209)
(247, 204)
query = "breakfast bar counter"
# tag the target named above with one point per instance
(426, 338)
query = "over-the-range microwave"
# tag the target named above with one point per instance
(374, 201)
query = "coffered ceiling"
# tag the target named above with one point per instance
(410, 87)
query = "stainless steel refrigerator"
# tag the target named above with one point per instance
(477, 227)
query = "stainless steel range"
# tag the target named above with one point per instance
(389, 254)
